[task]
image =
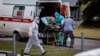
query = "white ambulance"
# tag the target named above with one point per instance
(17, 15)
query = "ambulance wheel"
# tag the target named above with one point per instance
(18, 37)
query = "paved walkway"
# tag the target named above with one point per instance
(88, 44)
(2, 54)
(5, 54)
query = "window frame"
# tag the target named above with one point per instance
(21, 8)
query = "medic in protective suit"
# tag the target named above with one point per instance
(60, 20)
(33, 39)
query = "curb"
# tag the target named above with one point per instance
(7, 53)
(88, 38)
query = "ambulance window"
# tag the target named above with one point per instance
(18, 11)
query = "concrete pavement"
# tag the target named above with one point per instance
(1, 54)
(5, 54)
(88, 44)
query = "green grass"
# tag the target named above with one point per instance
(88, 32)
(52, 50)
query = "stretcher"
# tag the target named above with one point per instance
(54, 31)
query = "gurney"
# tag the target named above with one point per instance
(51, 26)
(53, 30)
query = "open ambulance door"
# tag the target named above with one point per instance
(65, 9)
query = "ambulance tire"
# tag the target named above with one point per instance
(18, 37)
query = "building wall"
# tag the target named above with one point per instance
(74, 9)
(72, 2)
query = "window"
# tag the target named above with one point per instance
(18, 11)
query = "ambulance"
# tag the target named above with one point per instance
(16, 15)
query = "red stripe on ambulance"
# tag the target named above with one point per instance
(24, 20)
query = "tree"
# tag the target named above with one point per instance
(91, 14)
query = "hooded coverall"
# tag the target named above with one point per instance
(60, 20)
(33, 39)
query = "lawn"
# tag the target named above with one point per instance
(52, 50)
(88, 32)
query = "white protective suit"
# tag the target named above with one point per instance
(33, 38)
